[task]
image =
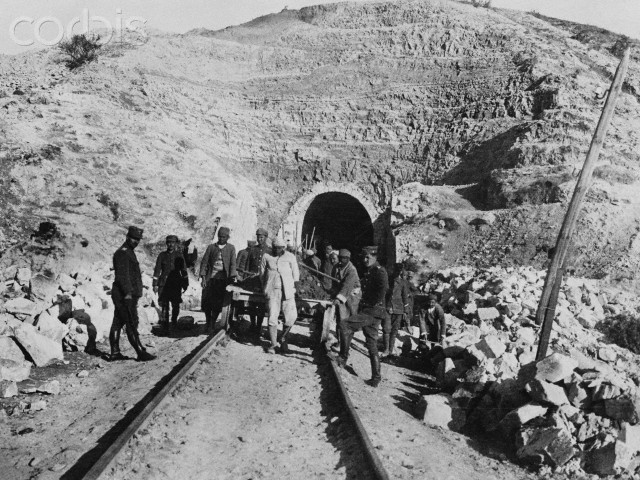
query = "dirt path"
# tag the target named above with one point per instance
(245, 414)
(408, 448)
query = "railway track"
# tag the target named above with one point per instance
(236, 412)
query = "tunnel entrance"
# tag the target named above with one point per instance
(338, 219)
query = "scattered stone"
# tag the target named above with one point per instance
(8, 389)
(42, 288)
(66, 282)
(607, 355)
(15, 371)
(544, 446)
(630, 435)
(82, 374)
(488, 314)
(545, 392)
(555, 367)
(23, 276)
(607, 458)
(41, 349)
(51, 327)
(51, 387)
(37, 406)
(440, 410)
(21, 308)
(624, 408)
(491, 346)
(587, 319)
(517, 418)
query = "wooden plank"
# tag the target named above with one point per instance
(563, 242)
(327, 319)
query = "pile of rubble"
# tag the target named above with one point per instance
(40, 316)
(577, 410)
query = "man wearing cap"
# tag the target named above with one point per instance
(126, 290)
(311, 260)
(217, 270)
(257, 311)
(280, 276)
(432, 321)
(346, 291)
(398, 305)
(165, 263)
(372, 311)
(242, 262)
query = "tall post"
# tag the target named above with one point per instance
(554, 274)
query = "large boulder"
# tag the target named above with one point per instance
(625, 408)
(43, 288)
(51, 327)
(22, 308)
(544, 446)
(8, 388)
(555, 367)
(519, 417)
(440, 410)
(41, 349)
(545, 392)
(9, 350)
(492, 346)
(608, 457)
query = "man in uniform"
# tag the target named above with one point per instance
(346, 291)
(257, 312)
(217, 270)
(398, 305)
(372, 311)
(165, 263)
(280, 276)
(126, 290)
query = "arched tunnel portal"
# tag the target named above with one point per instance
(340, 214)
(338, 219)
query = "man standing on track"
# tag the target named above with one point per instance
(372, 311)
(398, 305)
(346, 291)
(242, 262)
(164, 265)
(126, 290)
(280, 276)
(217, 270)
(254, 261)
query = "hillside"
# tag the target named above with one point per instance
(495, 107)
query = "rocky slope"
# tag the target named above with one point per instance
(173, 131)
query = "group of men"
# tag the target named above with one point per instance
(361, 304)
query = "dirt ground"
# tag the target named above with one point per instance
(241, 414)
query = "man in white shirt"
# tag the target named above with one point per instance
(280, 275)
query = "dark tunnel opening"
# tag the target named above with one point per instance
(338, 219)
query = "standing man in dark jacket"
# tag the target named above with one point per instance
(327, 267)
(242, 262)
(217, 270)
(254, 261)
(398, 305)
(164, 265)
(372, 311)
(126, 290)
(432, 321)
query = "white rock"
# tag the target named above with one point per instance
(41, 349)
(14, 371)
(66, 282)
(9, 350)
(8, 389)
(51, 327)
(555, 367)
(23, 276)
(440, 410)
(487, 314)
(22, 308)
(491, 346)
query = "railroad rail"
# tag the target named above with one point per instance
(234, 299)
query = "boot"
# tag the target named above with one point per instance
(345, 345)
(385, 345)
(175, 312)
(134, 340)
(375, 371)
(284, 346)
(392, 343)
(114, 342)
(273, 336)
(259, 323)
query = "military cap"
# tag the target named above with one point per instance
(224, 231)
(251, 243)
(262, 231)
(373, 250)
(172, 237)
(344, 253)
(279, 242)
(135, 232)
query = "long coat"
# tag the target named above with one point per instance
(347, 289)
(128, 278)
(228, 260)
(374, 291)
(284, 267)
(399, 296)
(164, 265)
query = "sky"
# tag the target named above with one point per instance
(20, 19)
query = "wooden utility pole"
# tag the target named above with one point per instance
(549, 297)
